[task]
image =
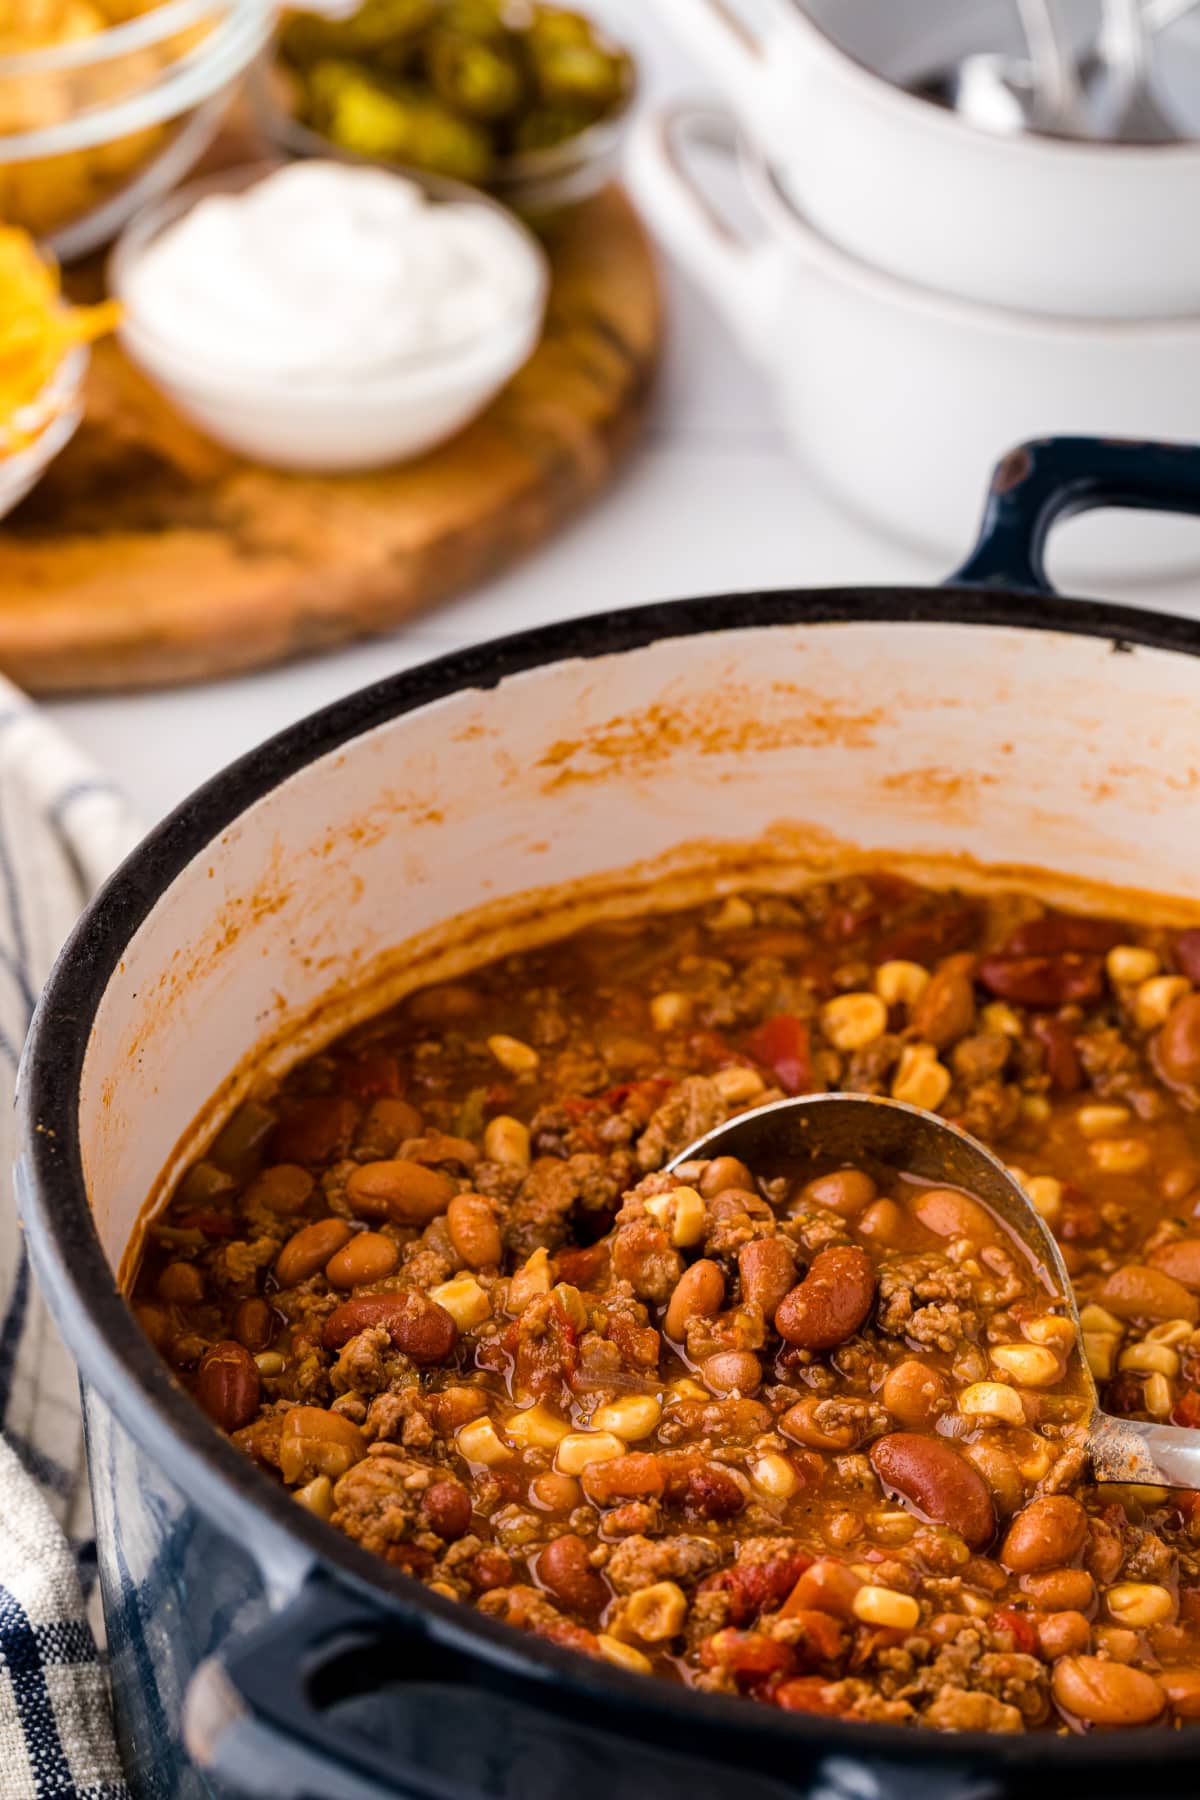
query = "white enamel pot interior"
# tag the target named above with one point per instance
(1056, 226)
(900, 400)
(627, 761)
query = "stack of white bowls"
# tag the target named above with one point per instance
(925, 293)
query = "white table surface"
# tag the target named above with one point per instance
(712, 501)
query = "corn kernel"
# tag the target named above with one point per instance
(851, 1021)
(465, 1301)
(1139, 1604)
(632, 1418)
(1100, 1120)
(479, 1443)
(537, 1428)
(572, 1303)
(1156, 998)
(992, 1400)
(882, 1606)
(1045, 1193)
(737, 1084)
(530, 1281)
(1171, 1331)
(1098, 1318)
(735, 914)
(997, 1016)
(1019, 1175)
(668, 1011)
(657, 1612)
(317, 1496)
(1034, 1464)
(1149, 1359)
(579, 1448)
(506, 1140)
(1100, 1353)
(687, 1389)
(1156, 1396)
(977, 1606)
(773, 1475)
(1130, 964)
(512, 1054)
(1033, 1365)
(1130, 1493)
(921, 1080)
(623, 1656)
(1119, 1156)
(900, 983)
(1058, 1334)
(269, 1363)
(1035, 1107)
(681, 1213)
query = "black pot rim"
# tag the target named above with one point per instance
(119, 1361)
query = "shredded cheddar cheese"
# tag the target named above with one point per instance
(37, 329)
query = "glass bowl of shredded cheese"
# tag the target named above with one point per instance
(105, 104)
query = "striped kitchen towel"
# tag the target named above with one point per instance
(62, 828)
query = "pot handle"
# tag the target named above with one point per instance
(721, 40)
(1053, 478)
(738, 273)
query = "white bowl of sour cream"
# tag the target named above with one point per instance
(328, 316)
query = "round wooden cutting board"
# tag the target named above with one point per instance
(149, 555)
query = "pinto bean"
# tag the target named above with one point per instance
(368, 1256)
(180, 1284)
(253, 1324)
(832, 1301)
(1063, 1634)
(474, 1231)
(1043, 981)
(949, 1214)
(699, 1294)
(724, 1172)
(283, 1188)
(408, 1193)
(1138, 1292)
(1105, 1693)
(565, 1569)
(945, 1010)
(1060, 1058)
(835, 1434)
(1177, 1043)
(1182, 1686)
(1060, 1590)
(1181, 1261)
(415, 1323)
(730, 1369)
(883, 1223)
(315, 1442)
(937, 1483)
(915, 1395)
(1045, 1534)
(768, 1269)
(228, 1385)
(309, 1249)
(846, 1191)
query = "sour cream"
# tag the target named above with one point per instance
(327, 271)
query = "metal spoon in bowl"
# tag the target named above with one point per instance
(860, 1131)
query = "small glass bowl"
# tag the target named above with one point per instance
(54, 416)
(92, 128)
(386, 413)
(537, 183)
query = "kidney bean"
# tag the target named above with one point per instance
(1060, 1058)
(768, 1269)
(228, 1385)
(367, 1257)
(916, 1396)
(1045, 981)
(938, 1483)
(1063, 1634)
(253, 1325)
(832, 1301)
(945, 1010)
(846, 1191)
(1181, 1261)
(180, 1284)
(564, 1568)
(1182, 1686)
(314, 1442)
(415, 1323)
(724, 1172)
(730, 1369)
(1105, 1693)
(635, 1476)
(705, 1489)
(1060, 1590)
(1177, 1043)
(1185, 953)
(949, 1214)
(316, 1129)
(309, 1249)
(1056, 932)
(408, 1193)
(1138, 1292)
(699, 1294)
(446, 1509)
(1048, 1532)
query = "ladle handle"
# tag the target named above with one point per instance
(1052, 478)
(1143, 1451)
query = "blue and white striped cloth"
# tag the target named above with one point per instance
(62, 828)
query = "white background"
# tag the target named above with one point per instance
(713, 500)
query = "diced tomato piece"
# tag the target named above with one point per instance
(829, 1586)
(807, 1694)
(1058, 932)
(824, 1637)
(755, 1587)
(783, 1044)
(749, 1657)
(1186, 1410)
(1016, 1626)
(580, 1264)
(375, 1076)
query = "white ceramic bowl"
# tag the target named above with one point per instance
(331, 426)
(899, 399)
(60, 406)
(1088, 229)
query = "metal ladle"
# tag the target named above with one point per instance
(890, 1137)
